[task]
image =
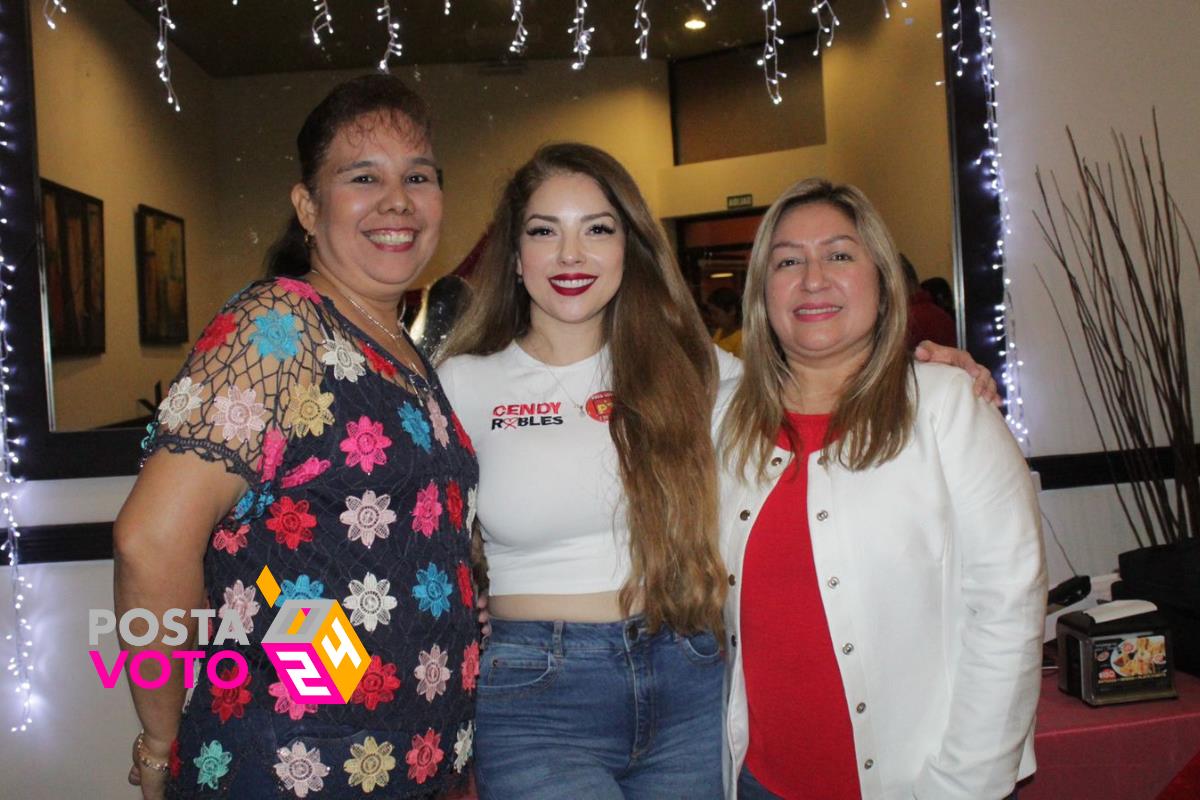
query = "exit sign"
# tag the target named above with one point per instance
(739, 201)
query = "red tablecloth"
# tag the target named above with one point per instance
(1123, 752)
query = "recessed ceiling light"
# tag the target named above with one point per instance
(695, 24)
(719, 275)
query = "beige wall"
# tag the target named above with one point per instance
(105, 129)
(885, 118)
(1095, 67)
(885, 131)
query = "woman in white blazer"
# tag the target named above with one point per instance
(888, 582)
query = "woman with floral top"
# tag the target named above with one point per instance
(307, 435)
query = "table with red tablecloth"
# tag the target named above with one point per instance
(1131, 751)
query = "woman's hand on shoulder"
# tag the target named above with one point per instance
(985, 384)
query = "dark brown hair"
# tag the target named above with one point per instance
(348, 102)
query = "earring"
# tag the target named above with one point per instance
(310, 241)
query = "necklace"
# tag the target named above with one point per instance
(580, 408)
(395, 337)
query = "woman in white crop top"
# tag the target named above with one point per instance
(585, 379)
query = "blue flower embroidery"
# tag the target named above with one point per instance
(213, 763)
(305, 588)
(151, 431)
(275, 335)
(433, 590)
(252, 505)
(414, 422)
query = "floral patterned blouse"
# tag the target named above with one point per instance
(362, 487)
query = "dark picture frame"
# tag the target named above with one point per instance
(73, 249)
(161, 277)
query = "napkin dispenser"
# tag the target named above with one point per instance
(1118, 652)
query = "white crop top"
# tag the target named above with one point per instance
(550, 500)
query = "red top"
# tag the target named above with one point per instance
(927, 320)
(801, 739)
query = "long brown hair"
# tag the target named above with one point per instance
(875, 412)
(664, 377)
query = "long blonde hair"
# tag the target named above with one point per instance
(664, 377)
(874, 414)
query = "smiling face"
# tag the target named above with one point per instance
(376, 213)
(822, 287)
(571, 253)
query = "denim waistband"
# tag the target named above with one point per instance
(561, 636)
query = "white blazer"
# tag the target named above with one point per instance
(934, 585)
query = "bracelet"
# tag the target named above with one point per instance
(145, 760)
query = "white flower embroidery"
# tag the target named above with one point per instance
(472, 499)
(345, 359)
(368, 517)
(301, 769)
(464, 746)
(432, 673)
(370, 602)
(441, 425)
(239, 413)
(240, 600)
(183, 398)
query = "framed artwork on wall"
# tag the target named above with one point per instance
(162, 277)
(73, 243)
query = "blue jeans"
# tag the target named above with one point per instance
(598, 711)
(748, 788)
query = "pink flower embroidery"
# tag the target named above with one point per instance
(441, 426)
(310, 469)
(470, 667)
(274, 444)
(301, 288)
(240, 600)
(432, 673)
(427, 511)
(239, 414)
(364, 445)
(284, 704)
(230, 541)
(424, 757)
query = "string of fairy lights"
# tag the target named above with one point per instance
(20, 665)
(394, 47)
(1005, 331)
(582, 33)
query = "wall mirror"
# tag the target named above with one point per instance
(873, 109)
